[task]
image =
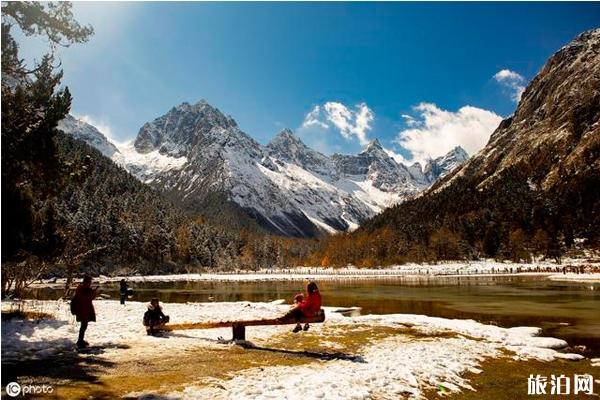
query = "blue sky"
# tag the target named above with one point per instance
(421, 77)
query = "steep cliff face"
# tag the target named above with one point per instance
(553, 133)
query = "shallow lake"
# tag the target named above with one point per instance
(567, 310)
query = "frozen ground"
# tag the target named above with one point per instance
(417, 271)
(417, 352)
(571, 277)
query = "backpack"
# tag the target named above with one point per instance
(73, 305)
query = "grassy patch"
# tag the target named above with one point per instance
(161, 374)
(505, 378)
(344, 338)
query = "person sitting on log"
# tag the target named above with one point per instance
(305, 306)
(154, 316)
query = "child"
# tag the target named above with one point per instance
(298, 298)
(154, 316)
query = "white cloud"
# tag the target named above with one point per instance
(352, 123)
(434, 132)
(399, 158)
(513, 81)
(409, 120)
(312, 119)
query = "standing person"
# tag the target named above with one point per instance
(83, 307)
(306, 306)
(123, 291)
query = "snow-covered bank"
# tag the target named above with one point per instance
(417, 352)
(478, 268)
(120, 326)
(571, 277)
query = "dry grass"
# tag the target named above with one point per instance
(166, 373)
(505, 378)
(25, 314)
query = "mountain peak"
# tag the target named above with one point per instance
(286, 138)
(459, 153)
(287, 134)
(374, 144)
(288, 147)
(175, 132)
(199, 106)
(441, 166)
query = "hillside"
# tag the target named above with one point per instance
(533, 190)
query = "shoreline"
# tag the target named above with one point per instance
(292, 277)
(477, 269)
(571, 277)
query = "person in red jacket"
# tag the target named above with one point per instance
(84, 309)
(306, 306)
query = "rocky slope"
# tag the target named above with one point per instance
(554, 133)
(537, 179)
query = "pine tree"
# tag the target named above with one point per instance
(31, 108)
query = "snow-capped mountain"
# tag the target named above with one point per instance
(441, 166)
(195, 150)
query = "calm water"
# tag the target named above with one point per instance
(567, 310)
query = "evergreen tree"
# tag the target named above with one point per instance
(32, 105)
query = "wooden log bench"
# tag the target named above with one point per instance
(239, 327)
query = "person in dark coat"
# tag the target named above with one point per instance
(154, 316)
(84, 308)
(123, 291)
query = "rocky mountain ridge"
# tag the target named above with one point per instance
(195, 151)
(533, 189)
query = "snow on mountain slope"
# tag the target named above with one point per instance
(88, 134)
(144, 166)
(290, 189)
(441, 166)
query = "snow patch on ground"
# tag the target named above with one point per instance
(396, 365)
(121, 325)
(408, 271)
